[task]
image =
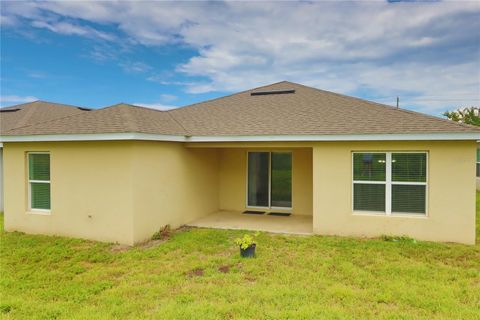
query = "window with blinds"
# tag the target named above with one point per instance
(369, 181)
(409, 182)
(39, 181)
(390, 182)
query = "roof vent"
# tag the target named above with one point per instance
(84, 109)
(9, 110)
(264, 93)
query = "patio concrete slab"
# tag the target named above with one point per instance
(293, 224)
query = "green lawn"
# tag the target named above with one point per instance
(197, 274)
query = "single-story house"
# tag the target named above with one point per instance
(338, 165)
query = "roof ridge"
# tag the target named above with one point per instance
(62, 104)
(187, 133)
(142, 107)
(113, 106)
(343, 96)
(131, 120)
(128, 118)
(227, 96)
(55, 119)
(44, 101)
(136, 106)
(28, 114)
(21, 104)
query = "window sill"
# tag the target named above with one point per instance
(393, 215)
(39, 212)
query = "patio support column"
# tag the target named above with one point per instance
(331, 187)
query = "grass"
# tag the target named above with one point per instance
(197, 274)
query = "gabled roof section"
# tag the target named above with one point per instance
(34, 112)
(118, 118)
(306, 111)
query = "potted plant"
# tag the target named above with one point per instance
(247, 245)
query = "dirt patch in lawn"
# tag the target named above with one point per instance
(118, 248)
(150, 244)
(224, 269)
(197, 272)
(249, 278)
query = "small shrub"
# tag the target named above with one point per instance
(388, 238)
(246, 241)
(162, 234)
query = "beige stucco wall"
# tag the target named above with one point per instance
(172, 185)
(233, 178)
(125, 191)
(113, 191)
(91, 190)
(450, 192)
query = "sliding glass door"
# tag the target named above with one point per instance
(269, 179)
(281, 179)
(258, 176)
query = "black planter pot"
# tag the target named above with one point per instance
(249, 252)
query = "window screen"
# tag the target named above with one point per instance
(369, 166)
(39, 180)
(408, 198)
(369, 177)
(411, 170)
(369, 197)
(409, 167)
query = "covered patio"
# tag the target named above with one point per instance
(293, 224)
(260, 177)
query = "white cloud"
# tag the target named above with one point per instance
(13, 99)
(7, 20)
(135, 67)
(156, 106)
(413, 50)
(102, 53)
(72, 29)
(168, 97)
(37, 74)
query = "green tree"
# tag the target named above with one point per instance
(465, 115)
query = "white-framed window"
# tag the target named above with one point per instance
(38, 181)
(390, 182)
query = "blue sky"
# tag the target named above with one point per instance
(164, 55)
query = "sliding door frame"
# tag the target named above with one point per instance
(270, 207)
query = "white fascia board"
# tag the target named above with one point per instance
(265, 138)
(93, 137)
(340, 137)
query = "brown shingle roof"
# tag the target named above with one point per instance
(33, 112)
(115, 119)
(308, 111)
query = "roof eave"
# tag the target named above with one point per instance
(242, 138)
